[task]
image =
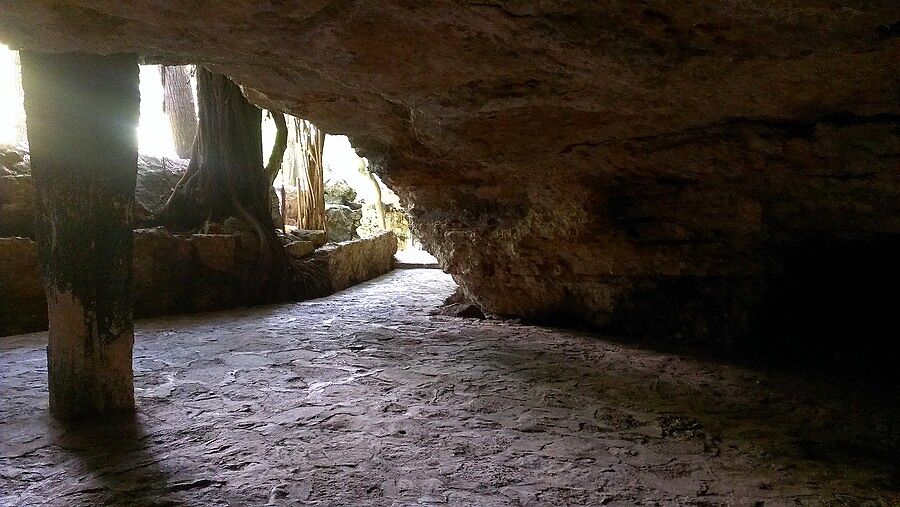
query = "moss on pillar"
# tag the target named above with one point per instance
(82, 113)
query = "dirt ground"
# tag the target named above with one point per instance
(363, 398)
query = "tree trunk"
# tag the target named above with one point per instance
(273, 167)
(225, 177)
(276, 158)
(21, 129)
(178, 103)
(82, 113)
(304, 165)
(379, 204)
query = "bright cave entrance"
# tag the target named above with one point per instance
(358, 205)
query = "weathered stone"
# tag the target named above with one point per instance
(341, 222)
(14, 160)
(215, 251)
(339, 192)
(580, 159)
(398, 223)
(317, 238)
(180, 273)
(164, 273)
(459, 305)
(337, 266)
(351, 263)
(300, 249)
(156, 178)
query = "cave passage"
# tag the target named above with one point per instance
(363, 397)
(703, 199)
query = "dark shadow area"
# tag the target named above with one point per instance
(117, 453)
(826, 429)
(830, 316)
(834, 312)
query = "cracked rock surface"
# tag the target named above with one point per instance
(364, 398)
(571, 156)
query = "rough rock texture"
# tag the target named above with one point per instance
(318, 238)
(339, 192)
(299, 249)
(398, 222)
(177, 273)
(14, 160)
(337, 266)
(457, 305)
(155, 180)
(341, 222)
(646, 165)
(183, 273)
(16, 193)
(353, 262)
(364, 399)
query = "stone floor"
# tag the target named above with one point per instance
(363, 398)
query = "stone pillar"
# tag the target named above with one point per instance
(82, 113)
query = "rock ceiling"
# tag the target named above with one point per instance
(568, 157)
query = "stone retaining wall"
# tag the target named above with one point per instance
(191, 273)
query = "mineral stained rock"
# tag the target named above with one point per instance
(642, 165)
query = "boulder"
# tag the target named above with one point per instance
(156, 178)
(14, 161)
(341, 222)
(317, 238)
(339, 192)
(290, 205)
(459, 305)
(299, 249)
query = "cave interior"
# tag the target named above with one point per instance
(568, 253)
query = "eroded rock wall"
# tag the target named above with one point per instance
(644, 165)
(685, 236)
